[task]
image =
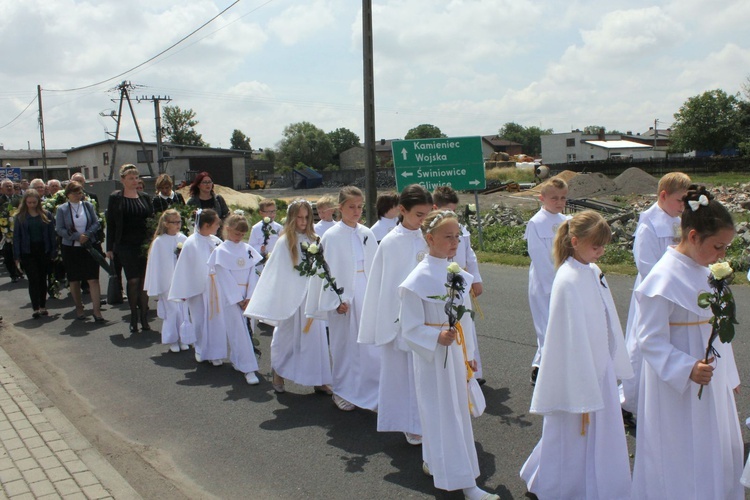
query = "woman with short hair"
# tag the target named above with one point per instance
(202, 196)
(165, 196)
(77, 225)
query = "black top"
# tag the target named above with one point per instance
(126, 219)
(216, 202)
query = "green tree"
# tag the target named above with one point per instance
(342, 139)
(707, 122)
(424, 131)
(744, 110)
(530, 138)
(305, 143)
(240, 141)
(179, 126)
(594, 130)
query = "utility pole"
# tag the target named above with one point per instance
(656, 133)
(41, 132)
(124, 89)
(157, 117)
(371, 188)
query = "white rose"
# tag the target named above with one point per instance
(454, 268)
(179, 245)
(283, 221)
(472, 208)
(313, 249)
(267, 220)
(720, 270)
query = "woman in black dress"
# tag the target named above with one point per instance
(202, 196)
(127, 211)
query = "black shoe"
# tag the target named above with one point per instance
(628, 419)
(534, 374)
(133, 327)
(481, 381)
(15, 279)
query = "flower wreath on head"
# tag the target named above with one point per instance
(439, 217)
(198, 218)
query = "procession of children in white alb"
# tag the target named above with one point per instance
(383, 319)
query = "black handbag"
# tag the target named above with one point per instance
(114, 287)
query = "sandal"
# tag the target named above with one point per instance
(82, 317)
(43, 312)
(99, 319)
(342, 403)
(278, 387)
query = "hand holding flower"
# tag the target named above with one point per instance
(343, 308)
(447, 337)
(702, 372)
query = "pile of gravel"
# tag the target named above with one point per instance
(636, 181)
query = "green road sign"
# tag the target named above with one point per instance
(457, 162)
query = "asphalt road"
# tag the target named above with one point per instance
(177, 429)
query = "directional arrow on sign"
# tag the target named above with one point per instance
(475, 182)
(403, 152)
(407, 174)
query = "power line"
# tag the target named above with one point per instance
(154, 57)
(19, 114)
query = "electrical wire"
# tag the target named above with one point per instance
(19, 114)
(151, 58)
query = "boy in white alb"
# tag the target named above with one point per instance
(658, 228)
(387, 207)
(326, 206)
(265, 232)
(540, 232)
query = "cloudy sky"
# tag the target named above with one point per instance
(467, 66)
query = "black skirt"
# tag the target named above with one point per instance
(79, 264)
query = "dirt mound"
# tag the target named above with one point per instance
(232, 197)
(636, 181)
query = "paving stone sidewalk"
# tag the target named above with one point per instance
(42, 455)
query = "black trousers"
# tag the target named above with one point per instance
(36, 264)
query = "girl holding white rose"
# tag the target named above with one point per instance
(349, 250)
(299, 348)
(687, 447)
(162, 259)
(443, 358)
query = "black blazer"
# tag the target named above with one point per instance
(160, 204)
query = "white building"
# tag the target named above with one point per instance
(575, 146)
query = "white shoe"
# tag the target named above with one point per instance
(477, 493)
(217, 362)
(184, 347)
(174, 347)
(342, 403)
(413, 439)
(198, 357)
(426, 468)
(252, 378)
